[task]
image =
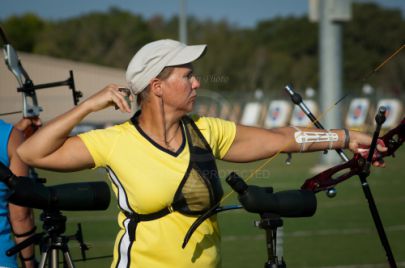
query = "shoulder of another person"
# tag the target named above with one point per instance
(16, 135)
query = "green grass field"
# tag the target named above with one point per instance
(340, 234)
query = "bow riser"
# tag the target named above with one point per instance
(325, 180)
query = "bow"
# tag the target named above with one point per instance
(358, 165)
(31, 108)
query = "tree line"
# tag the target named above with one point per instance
(275, 52)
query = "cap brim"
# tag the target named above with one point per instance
(187, 55)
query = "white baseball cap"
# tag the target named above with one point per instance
(153, 57)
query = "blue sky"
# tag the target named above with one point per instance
(240, 13)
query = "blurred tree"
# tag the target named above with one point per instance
(275, 52)
(102, 38)
(224, 67)
(23, 32)
(292, 45)
(369, 38)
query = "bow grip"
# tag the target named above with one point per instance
(29, 130)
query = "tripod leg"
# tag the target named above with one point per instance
(44, 256)
(279, 243)
(68, 259)
(54, 258)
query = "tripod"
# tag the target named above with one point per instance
(271, 206)
(270, 222)
(51, 241)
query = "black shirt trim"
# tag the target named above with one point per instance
(135, 122)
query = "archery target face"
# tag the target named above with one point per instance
(251, 114)
(357, 114)
(299, 118)
(277, 114)
(393, 113)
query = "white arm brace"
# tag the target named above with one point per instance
(311, 137)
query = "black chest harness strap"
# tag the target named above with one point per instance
(200, 190)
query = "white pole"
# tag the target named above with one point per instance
(183, 22)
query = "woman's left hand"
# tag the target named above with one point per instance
(360, 143)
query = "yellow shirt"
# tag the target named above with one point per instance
(145, 178)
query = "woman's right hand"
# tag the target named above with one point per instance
(52, 147)
(111, 95)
